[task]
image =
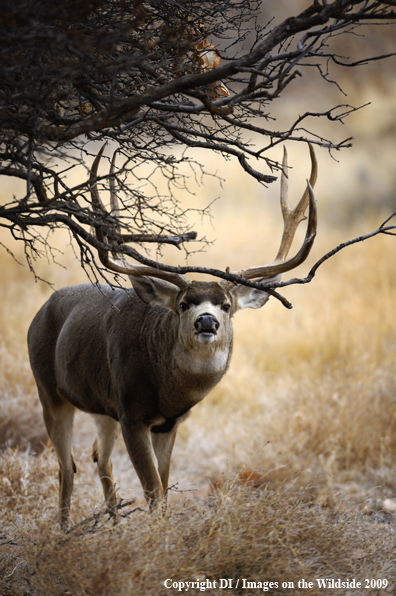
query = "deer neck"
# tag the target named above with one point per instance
(202, 359)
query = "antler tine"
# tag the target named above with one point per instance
(115, 205)
(113, 263)
(96, 200)
(114, 202)
(291, 218)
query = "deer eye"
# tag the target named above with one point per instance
(184, 306)
(226, 307)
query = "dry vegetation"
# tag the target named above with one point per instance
(286, 471)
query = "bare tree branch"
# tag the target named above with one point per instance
(383, 229)
(150, 75)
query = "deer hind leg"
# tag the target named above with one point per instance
(107, 432)
(59, 422)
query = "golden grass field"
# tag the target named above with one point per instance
(286, 471)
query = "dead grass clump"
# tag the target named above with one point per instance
(24, 430)
(349, 425)
(238, 533)
(21, 474)
(21, 421)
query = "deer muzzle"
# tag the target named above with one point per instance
(206, 327)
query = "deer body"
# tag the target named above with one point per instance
(114, 353)
(141, 358)
(107, 352)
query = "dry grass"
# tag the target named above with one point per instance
(286, 471)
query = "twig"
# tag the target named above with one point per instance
(383, 229)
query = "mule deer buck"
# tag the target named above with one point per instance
(141, 358)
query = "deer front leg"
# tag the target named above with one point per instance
(140, 448)
(163, 446)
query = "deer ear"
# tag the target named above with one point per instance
(248, 297)
(154, 291)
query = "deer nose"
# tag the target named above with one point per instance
(206, 324)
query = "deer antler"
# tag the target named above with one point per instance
(291, 218)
